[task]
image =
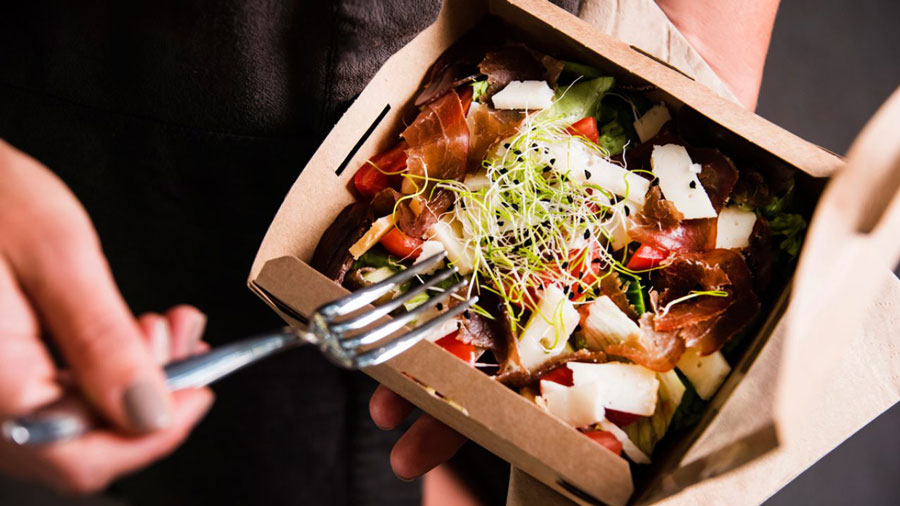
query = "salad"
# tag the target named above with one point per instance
(617, 265)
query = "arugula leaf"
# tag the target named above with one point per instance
(479, 88)
(691, 409)
(373, 258)
(635, 293)
(613, 138)
(579, 100)
(791, 227)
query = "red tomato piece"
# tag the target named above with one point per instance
(646, 257)
(401, 245)
(606, 439)
(586, 127)
(621, 418)
(381, 171)
(465, 351)
(561, 375)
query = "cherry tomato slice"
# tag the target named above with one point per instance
(380, 171)
(606, 439)
(401, 245)
(561, 375)
(646, 257)
(465, 351)
(621, 418)
(586, 127)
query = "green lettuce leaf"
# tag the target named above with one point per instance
(578, 101)
(613, 138)
(790, 227)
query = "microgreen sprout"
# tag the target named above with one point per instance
(691, 295)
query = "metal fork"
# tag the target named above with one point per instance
(346, 335)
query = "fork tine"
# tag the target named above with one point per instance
(361, 298)
(397, 346)
(371, 316)
(380, 332)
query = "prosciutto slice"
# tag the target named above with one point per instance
(707, 322)
(521, 377)
(487, 126)
(651, 348)
(438, 149)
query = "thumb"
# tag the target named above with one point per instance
(59, 263)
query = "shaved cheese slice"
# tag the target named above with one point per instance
(629, 388)
(378, 230)
(530, 95)
(605, 324)
(586, 166)
(477, 181)
(579, 407)
(548, 329)
(429, 249)
(734, 227)
(679, 183)
(706, 374)
(648, 125)
(459, 254)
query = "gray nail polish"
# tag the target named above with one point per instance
(146, 408)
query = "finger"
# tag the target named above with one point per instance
(387, 409)
(58, 260)
(425, 445)
(89, 463)
(27, 374)
(187, 324)
(158, 335)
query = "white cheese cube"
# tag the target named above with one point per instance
(548, 329)
(530, 95)
(679, 183)
(705, 373)
(629, 388)
(457, 250)
(605, 324)
(579, 407)
(429, 249)
(586, 166)
(651, 122)
(733, 228)
(378, 230)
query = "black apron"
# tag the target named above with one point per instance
(180, 126)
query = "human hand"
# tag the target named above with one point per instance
(55, 282)
(426, 444)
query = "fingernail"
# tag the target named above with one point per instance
(161, 341)
(146, 407)
(406, 480)
(198, 327)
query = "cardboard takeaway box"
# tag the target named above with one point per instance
(744, 422)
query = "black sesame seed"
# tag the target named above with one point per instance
(506, 146)
(546, 169)
(467, 314)
(552, 161)
(627, 211)
(571, 296)
(534, 144)
(587, 174)
(595, 261)
(587, 233)
(515, 207)
(566, 290)
(516, 151)
(500, 223)
(515, 181)
(693, 184)
(570, 199)
(503, 171)
(565, 265)
(519, 159)
(440, 306)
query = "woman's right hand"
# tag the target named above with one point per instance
(55, 283)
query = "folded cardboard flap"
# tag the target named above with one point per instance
(484, 410)
(493, 415)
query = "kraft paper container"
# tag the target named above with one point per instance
(744, 424)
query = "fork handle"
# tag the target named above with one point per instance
(71, 416)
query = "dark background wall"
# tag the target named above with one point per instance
(830, 65)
